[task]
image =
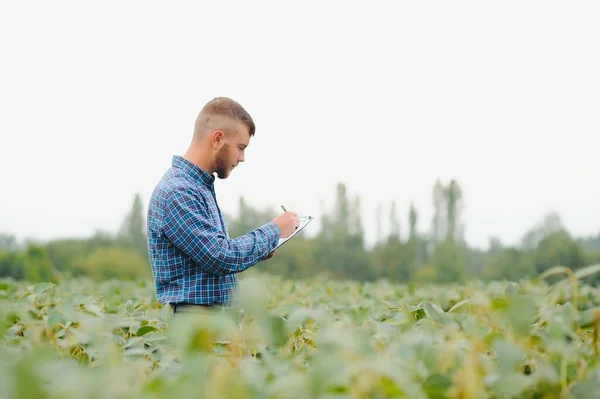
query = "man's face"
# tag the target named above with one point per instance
(232, 152)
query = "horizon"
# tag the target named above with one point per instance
(311, 230)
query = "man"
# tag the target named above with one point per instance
(194, 261)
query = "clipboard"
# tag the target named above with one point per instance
(304, 221)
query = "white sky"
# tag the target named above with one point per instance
(383, 96)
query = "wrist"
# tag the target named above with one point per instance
(273, 224)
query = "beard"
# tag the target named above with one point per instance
(222, 167)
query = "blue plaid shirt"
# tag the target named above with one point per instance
(192, 256)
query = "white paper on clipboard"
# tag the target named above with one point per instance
(304, 221)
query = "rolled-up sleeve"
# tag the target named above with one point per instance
(189, 227)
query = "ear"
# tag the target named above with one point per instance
(217, 138)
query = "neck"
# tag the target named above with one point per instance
(199, 157)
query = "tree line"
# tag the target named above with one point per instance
(338, 250)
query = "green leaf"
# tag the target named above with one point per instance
(521, 312)
(436, 313)
(587, 317)
(587, 271)
(587, 389)
(511, 385)
(143, 330)
(4, 322)
(499, 303)
(507, 355)
(553, 271)
(418, 313)
(458, 305)
(513, 289)
(390, 388)
(492, 337)
(26, 381)
(277, 330)
(436, 386)
(42, 287)
(55, 318)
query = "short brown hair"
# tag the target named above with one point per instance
(229, 108)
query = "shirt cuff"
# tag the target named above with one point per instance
(273, 233)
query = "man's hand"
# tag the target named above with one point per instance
(287, 222)
(270, 255)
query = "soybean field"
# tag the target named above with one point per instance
(317, 338)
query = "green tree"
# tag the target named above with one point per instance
(412, 219)
(38, 266)
(438, 230)
(549, 224)
(454, 203)
(507, 263)
(558, 249)
(590, 244)
(12, 264)
(295, 259)
(8, 242)
(340, 246)
(394, 222)
(248, 218)
(448, 255)
(414, 255)
(449, 262)
(112, 262)
(132, 232)
(379, 223)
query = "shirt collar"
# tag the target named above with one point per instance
(194, 171)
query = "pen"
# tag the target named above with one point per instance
(283, 207)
